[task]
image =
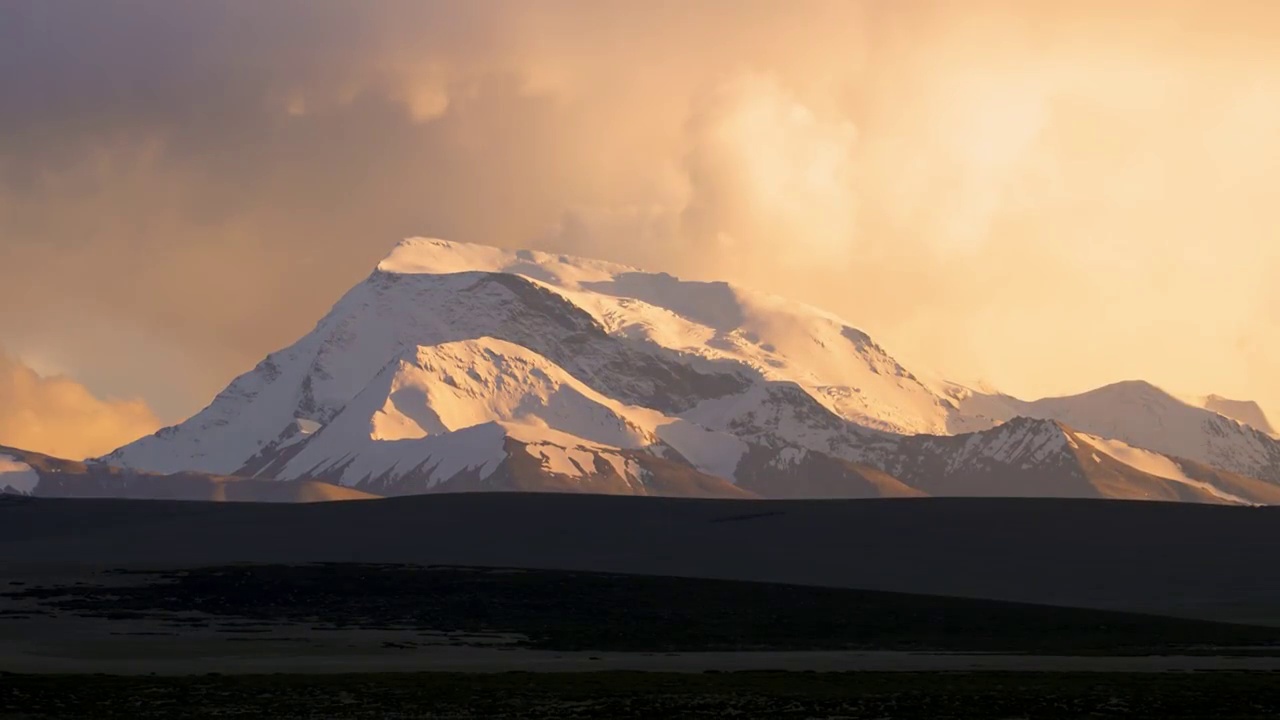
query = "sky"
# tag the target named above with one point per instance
(1043, 196)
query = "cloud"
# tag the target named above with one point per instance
(58, 416)
(765, 169)
(1051, 196)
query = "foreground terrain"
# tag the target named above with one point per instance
(347, 617)
(1226, 696)
(1204, 561)
(562, 606)
(348, 640)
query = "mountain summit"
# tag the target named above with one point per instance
(464, 367)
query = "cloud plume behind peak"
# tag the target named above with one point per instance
(1047, 195)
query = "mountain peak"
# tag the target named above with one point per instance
(1135, 388)
(1243, 411)
(434, 256)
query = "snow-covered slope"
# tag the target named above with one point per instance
(439, 412)
(30, 473)
(1246, 412)
(725, 326)
(456, 366)
(1046, 458)
(1141, 414)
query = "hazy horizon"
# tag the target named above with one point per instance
(1048, 197)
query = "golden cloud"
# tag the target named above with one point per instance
(1051, 196)
(59, 416)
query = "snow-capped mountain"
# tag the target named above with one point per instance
(444, 339)
(1246, 412)
(1046, 458)
(23, 472)
(463, 367)
(1141, 414)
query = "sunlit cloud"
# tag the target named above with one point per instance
(1049, 196)
(59, 416)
